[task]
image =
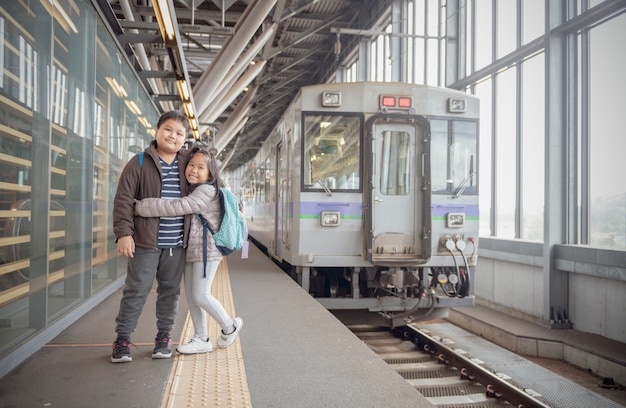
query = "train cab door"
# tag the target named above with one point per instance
(399, 201)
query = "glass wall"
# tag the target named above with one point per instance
(532, 147)
(505, 158)
(71, 115)
(607, 137)
(506, 67)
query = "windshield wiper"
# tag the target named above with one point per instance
(461, 188)
(324, 186)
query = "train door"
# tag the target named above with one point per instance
(278, 208)
(399, 202)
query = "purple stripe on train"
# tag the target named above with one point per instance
(347, 209)
(470, 210)
(356, 209)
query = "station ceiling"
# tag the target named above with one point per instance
(244, 60)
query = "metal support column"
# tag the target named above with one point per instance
(557, 194)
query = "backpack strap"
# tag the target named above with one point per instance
(204, 240)
(140, 156)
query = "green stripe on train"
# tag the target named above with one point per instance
(443, 218)
(317, 216)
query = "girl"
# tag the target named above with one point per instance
(202, 174)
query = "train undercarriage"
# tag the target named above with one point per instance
(398, 295)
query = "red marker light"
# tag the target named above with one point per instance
(404, 102)
(388, 101)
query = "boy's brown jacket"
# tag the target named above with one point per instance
(143, 181)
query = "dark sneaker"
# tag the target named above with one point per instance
(162, 346)
(121, 352)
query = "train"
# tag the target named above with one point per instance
(366, 193)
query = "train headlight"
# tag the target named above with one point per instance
(331, 98)
(457, 105)
(455, 220)
(330, 218)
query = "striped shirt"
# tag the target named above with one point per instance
(170, 228)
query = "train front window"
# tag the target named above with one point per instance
(453, 157)
(332, 152)
(394, 163)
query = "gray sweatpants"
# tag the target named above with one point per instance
(167, 266)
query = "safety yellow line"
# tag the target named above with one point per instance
(216, 379)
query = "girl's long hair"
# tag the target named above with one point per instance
(214, 170)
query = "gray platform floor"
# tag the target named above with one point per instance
(296, 354)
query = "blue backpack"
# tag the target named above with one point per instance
(233, 232)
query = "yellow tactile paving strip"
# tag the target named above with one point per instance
(216, 379)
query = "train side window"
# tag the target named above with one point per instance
(332, 152)
(453, 157)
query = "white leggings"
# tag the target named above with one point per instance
(200, 299)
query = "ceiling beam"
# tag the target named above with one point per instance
(303, 36)
(185, 28)
(139, 38)
(198, 14)
(156, 74)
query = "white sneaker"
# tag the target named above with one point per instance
(195, 345)
(226, 340)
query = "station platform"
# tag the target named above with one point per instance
(291, 352)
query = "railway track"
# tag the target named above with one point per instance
(446, 376)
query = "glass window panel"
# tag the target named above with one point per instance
(483, 91)
(432, 62)
(419, 12)
(380, 58)
(387, 58)
(453, 157)
(433, 17)
(579, 238)
(607, 143)
(533, 20)
(372, 61)
(332, 152)
(469, 35)
(23, 85)
(507, 27)
(593, 3)
(418, 62)
(269, 179)
(410, 56)
(394, 163)
(483, 26)
(506, 147)
(533, 147)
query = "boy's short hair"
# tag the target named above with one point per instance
(176, 115)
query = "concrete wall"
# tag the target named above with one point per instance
(509, 277)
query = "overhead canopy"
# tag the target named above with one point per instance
(255, 53)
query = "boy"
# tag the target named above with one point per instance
(154, 246)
